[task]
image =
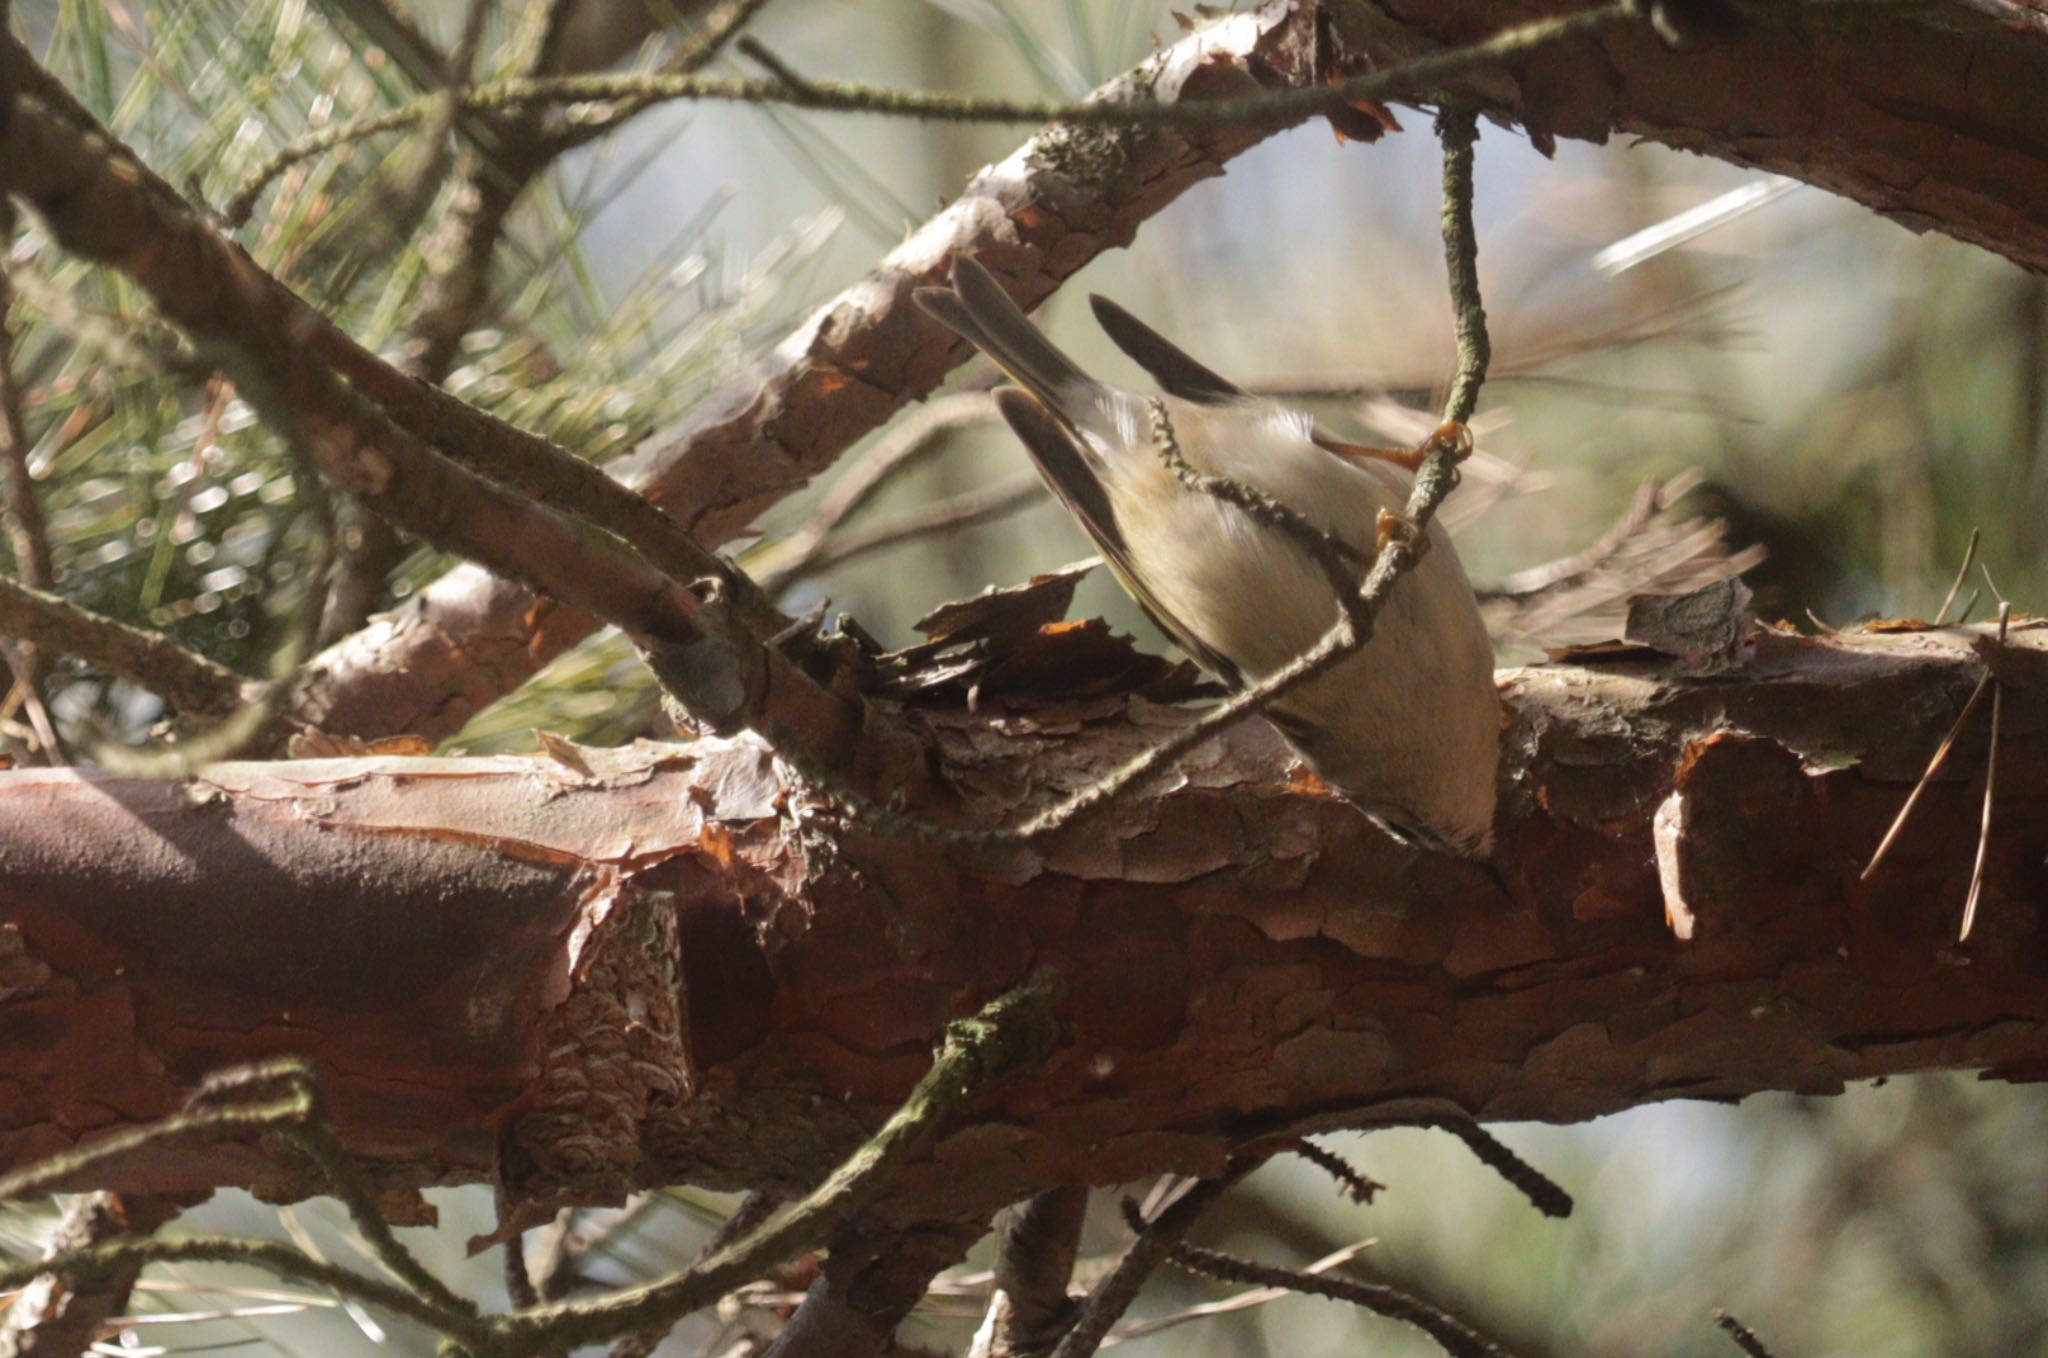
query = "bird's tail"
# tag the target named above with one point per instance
(980, 311)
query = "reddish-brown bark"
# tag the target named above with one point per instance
(1932, 117)
(674, 966)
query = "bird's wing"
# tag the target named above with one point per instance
(1060, 400)
(1064, 466)
(1051, 416)
(1179, 373)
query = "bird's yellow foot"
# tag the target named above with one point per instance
(1451, 435)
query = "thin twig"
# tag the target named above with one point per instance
(718, 28)
(100, 1261)
(907, 446)
(279, 1097)
(1962, 573)
(151, 660)
(1422, 74)
(1360, 1188)
(1542, 1192)
(1008, 1034)
(753, 1209)
(1453, 1335)
(21, 508)
(965, 510)
(1036, 1245)
(313, 1136)
(1457, 126)
(1333, 556)
(1242, 1301)
(1990, 787)
(519, 1288)
(1112, 1296)
(1744, 1337)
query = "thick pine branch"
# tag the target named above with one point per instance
(630, 968)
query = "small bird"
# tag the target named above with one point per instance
(1408, 727)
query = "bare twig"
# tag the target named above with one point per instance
(755, 1208)
(502, 115)
(1458, 128)
(1544, 1194)
(1242, 1301)
(306, 1126)
(909, 445)
(183, 678)
(278, 1097)
(1280, 107)
(1156, 1239)
(1453, 1335)
(1358, 1187)
(1036, 1244)
(91, 1265)
(696, 52)
(1744, 1337)
(1332, 555)
(1962, 573)
(965, 510)
(519, 1288)
(1990, 786)
(1008, 1034)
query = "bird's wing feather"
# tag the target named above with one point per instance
(978, 309)
(1065, 468)
(1179, 373)
(1051, 416)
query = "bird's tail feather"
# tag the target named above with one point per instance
(980, 311)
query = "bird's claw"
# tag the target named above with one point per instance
(1392, 528)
